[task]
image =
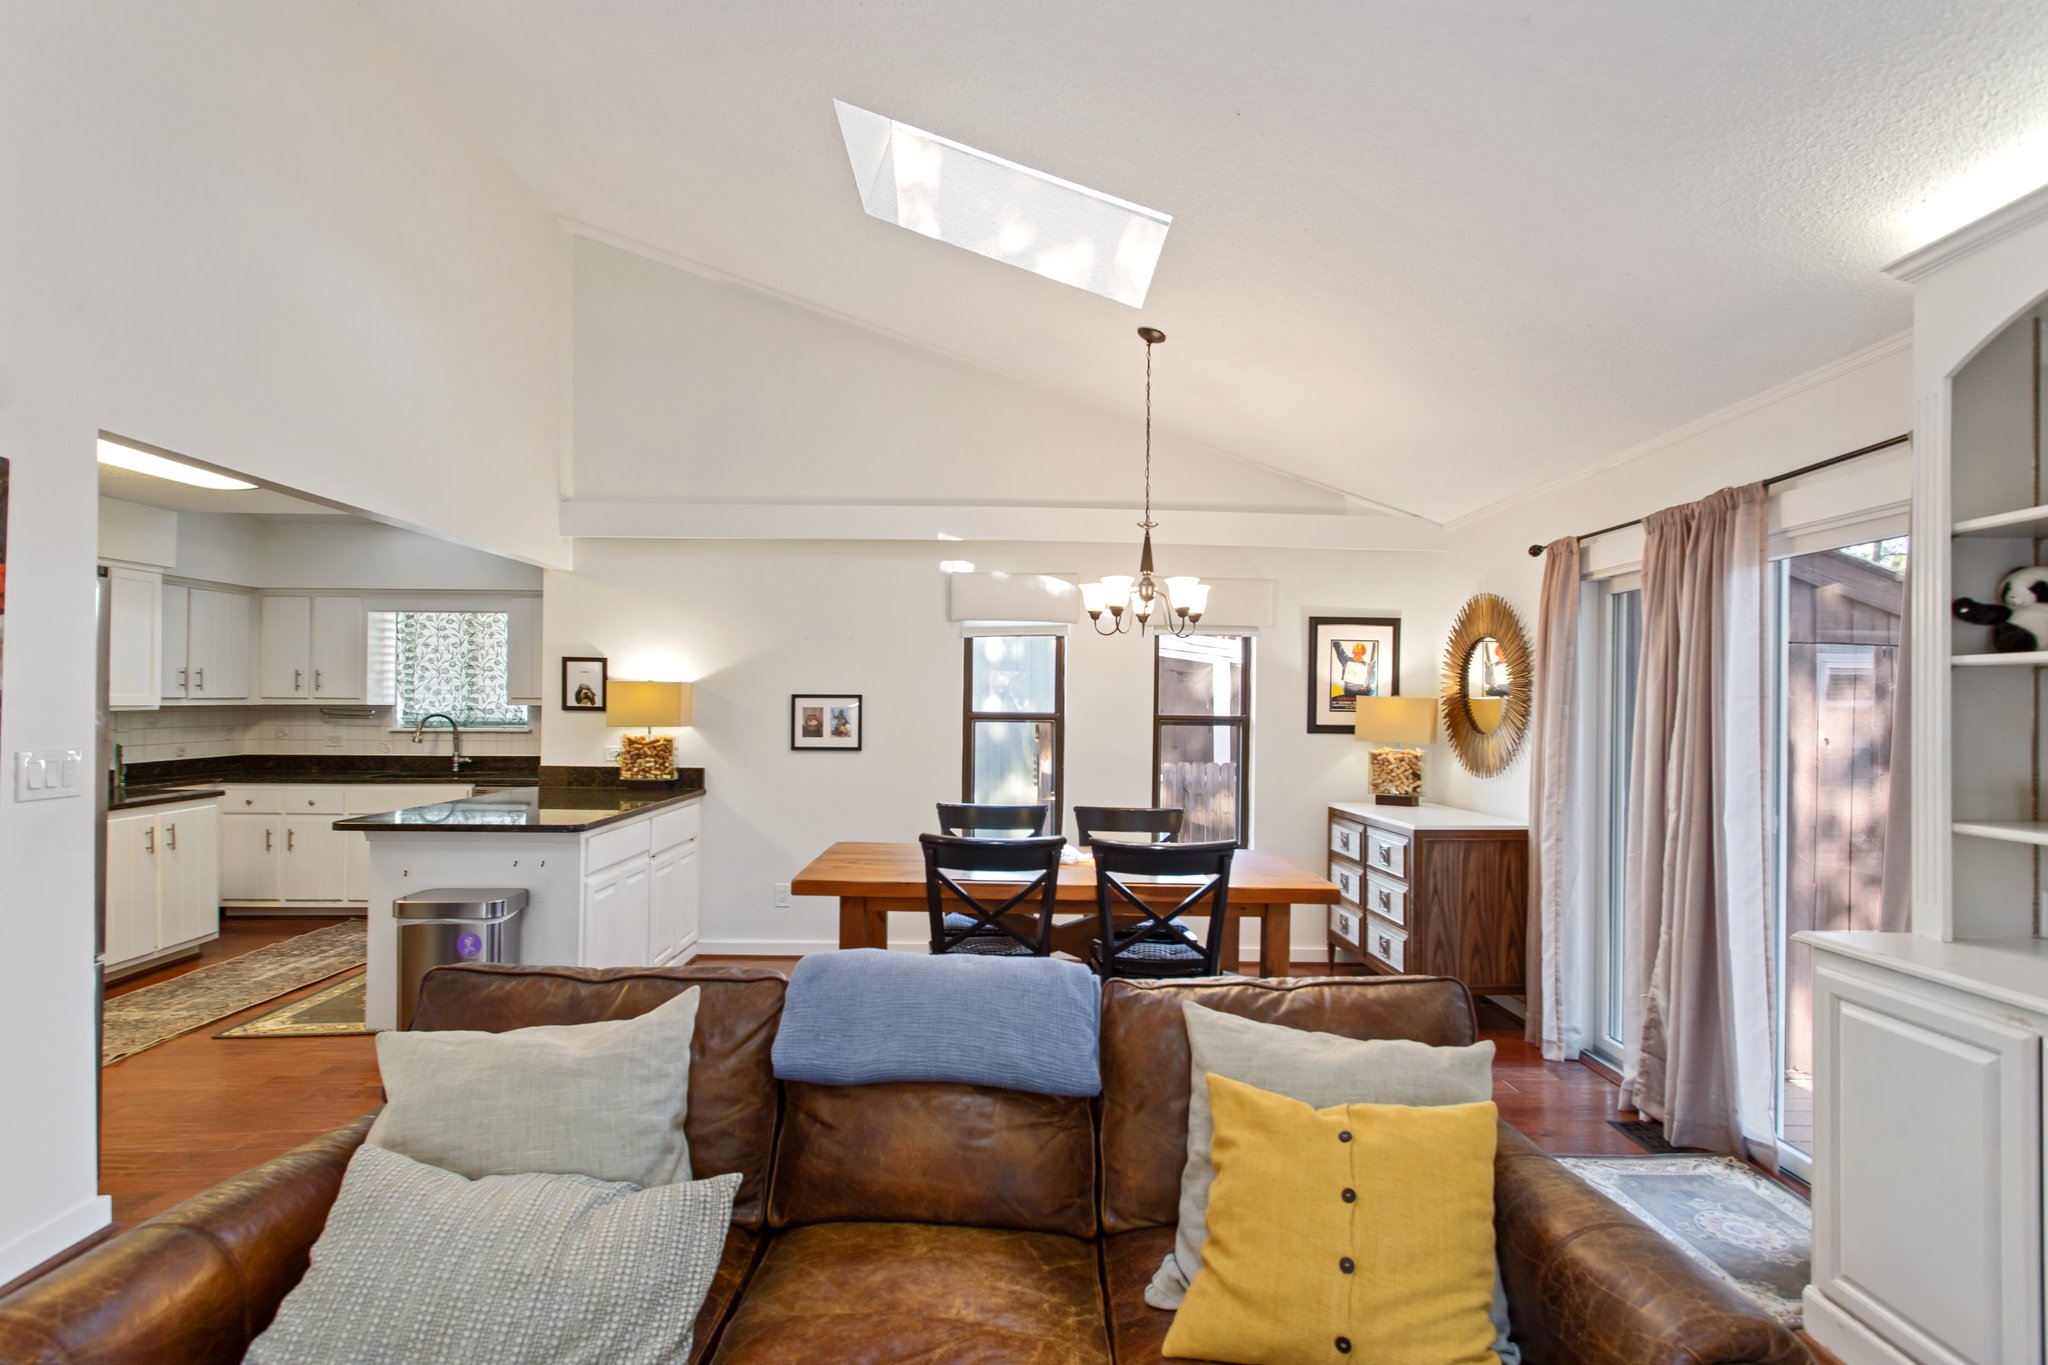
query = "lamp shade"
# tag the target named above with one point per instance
(1395, 720)
(646, 703)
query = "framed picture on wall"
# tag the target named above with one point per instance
(825, 720)
(1350, 657)
(583, 681)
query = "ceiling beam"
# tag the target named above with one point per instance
(595, 519)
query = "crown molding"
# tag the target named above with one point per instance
(1994, 226)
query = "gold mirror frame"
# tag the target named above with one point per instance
(1485, 753)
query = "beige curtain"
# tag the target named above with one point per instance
(1555, 666)
(1698, 931)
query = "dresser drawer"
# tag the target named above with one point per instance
(1345, 925)
(314, 800)
(1386, 851)
(1386, 942)
(1347, 839)
(1386, 898)
(1350, 882)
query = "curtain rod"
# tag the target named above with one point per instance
(1536, 551)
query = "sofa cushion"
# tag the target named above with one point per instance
(733, 1107)
(1145, 1072)
(926, 1152)
(895, 1293)
(1136, 1328)
(735, 1263)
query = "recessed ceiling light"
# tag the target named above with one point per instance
(999, 209)
(156, 466)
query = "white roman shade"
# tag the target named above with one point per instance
(1013, 599)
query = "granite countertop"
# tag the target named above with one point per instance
(543, 810)
(313, 770)
(128, 798)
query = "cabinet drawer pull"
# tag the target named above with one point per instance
(171, 836)
(1386, 855)
(316, 680)
(149, 840)
(1386, 946)
(182, 676)
(268, 836)
(298, 680)
(1386, 899)
(291, 840)
(199, 679)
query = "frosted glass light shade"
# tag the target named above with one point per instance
(1094, 597)
(1395, 720)
(1196, 600)
(646, 703)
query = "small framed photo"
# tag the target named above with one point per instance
(583, 684)
(1349, 658)
(825, 720)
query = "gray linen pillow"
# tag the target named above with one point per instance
(422, 1265)
(604, 1100)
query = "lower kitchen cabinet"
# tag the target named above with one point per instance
(279, 847)
(672, 903)
(640, 896)
(615, 917)
(162, 882)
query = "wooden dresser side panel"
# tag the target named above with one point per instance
(1473, 890)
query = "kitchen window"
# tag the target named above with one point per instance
(1013, 745)
(1201, 734)
(454, 662)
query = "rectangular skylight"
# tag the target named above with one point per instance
(999, 209)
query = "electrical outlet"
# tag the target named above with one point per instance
(782, 895)
(611, 753)
(334, 741)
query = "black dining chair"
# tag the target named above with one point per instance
(1162, 823)
(1151, 940)
(987, 820)
(993, 921)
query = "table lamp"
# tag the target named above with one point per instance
(1397, 725)
(649, 757)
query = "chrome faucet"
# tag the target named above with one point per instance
(453, 729)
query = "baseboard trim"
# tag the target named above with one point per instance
(54, 1240)
(1844, 1337)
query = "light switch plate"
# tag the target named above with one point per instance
(46, 774)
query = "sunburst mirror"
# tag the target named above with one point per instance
(1485, 693)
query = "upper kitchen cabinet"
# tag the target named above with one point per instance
(133, 601)
(313, 648)
(205, 654)
(522, 665)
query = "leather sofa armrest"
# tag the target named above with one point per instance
(1589, 1284)
(198, 1282)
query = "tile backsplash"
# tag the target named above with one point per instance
(223, 731)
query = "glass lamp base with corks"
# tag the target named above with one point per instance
(1397, 777)
(647, 758)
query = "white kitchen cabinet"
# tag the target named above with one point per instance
(523, 657)
(251, 857)
(131, 886)
(615, 917)
(134, 609)
(340, 639)
(162, 881)
(376, 800)
(285, 648)
(205, 644)
(672, 904)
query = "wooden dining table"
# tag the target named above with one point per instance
(873, 881)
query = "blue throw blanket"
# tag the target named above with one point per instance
(866, 1015)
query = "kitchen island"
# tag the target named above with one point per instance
(611, 875)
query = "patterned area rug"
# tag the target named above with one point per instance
(332, 1012)
(1743, 1227)
(139, 1020)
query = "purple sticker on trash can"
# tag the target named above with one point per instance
(469, 945)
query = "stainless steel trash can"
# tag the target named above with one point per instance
(458, 924)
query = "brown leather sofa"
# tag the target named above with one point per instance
(942, 1224)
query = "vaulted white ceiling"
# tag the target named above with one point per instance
(1428, 254)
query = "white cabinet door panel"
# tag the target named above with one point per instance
(131, 886)
(1927, 1218)
(217, 653)
(286, 648)
(315, 859)
(134, 652)
(339, 648)
(189, 880)
(176, 632)
(615, 917)
(252, 857)
(689, 915)
(664, 905)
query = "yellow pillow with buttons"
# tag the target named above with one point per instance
(1363, 1232)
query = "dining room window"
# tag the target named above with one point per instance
(1013, 746)
(1201, 734)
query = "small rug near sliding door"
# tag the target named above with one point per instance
(1740, 1225)
(331, 1012)
(139, 1020)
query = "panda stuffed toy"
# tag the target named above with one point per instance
(2019, 618)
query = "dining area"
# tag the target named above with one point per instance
(1126, 895)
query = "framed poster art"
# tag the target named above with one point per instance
(1350, 657)
(825, 720)
(583, 684)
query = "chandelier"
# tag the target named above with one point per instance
(1133, 600)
